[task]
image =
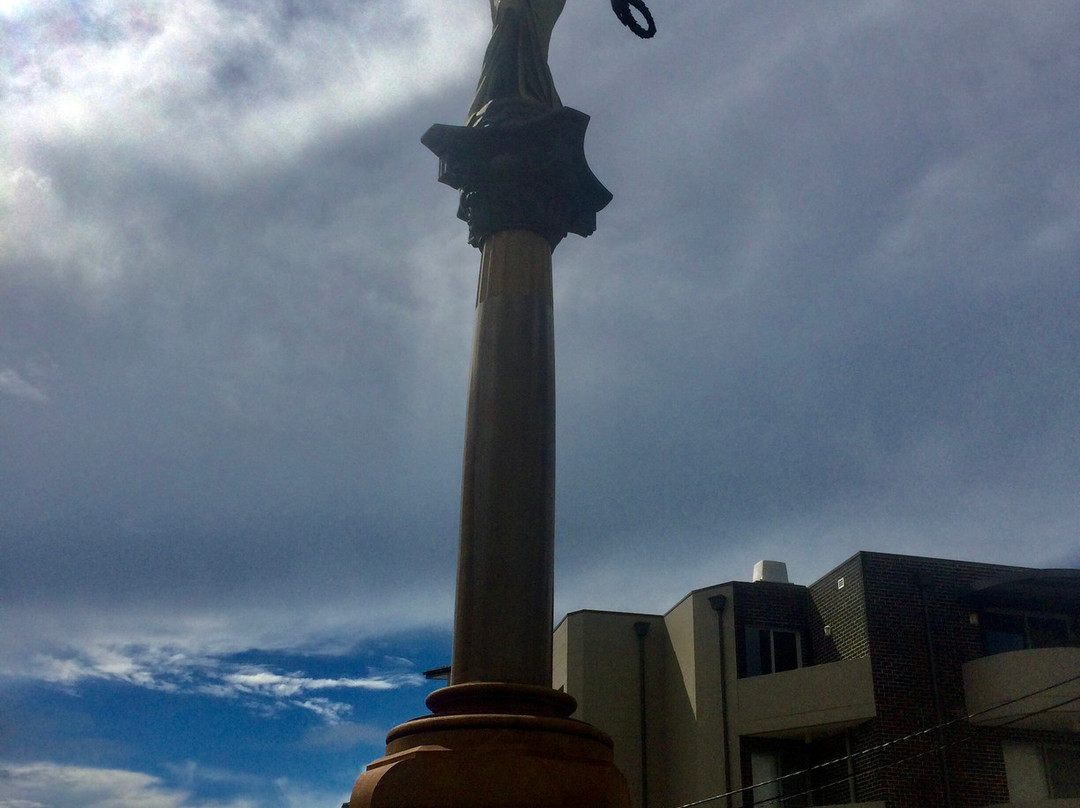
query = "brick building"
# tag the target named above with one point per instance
(893, 681)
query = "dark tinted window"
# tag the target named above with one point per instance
(1003, 632)
(785, 651)
(758, 652)
(1063, 771)
(1047, 632)
(771, 650)
(1015, 631)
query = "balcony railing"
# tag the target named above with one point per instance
(1029, 689)
(808, 701)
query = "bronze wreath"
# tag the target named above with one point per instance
(627, 18)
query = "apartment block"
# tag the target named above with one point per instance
(893, 682)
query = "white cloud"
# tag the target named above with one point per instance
(215, 86)
(51, 785)
(331, 712)
(173, 670)
(191, 774)
(13, 384)
(154, 667)
(38, 230)
(202, 91)
(257, 680)
(343, 735)
(45, 785)
(297, 796)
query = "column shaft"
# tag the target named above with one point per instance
(503, 615)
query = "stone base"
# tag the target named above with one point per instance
(522, 755)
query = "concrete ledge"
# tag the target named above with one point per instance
(1011, 676)
(808, 701)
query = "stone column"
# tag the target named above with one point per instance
(503, 616)
(524, 186)
(500, 736)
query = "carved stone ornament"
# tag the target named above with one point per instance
(525, 168)
(519, 162)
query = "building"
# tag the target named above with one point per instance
(893, 682)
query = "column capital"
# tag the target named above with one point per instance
(521, 172)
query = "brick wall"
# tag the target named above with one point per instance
(883, 609)
(879, 611)
(771, 605)
(843, 609)
(896, 622)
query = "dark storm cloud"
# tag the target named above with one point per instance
(840, 291)
(208, 346)
(833, 306)
(256, 318)
(238, 422)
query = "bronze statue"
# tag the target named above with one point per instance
(515, 70)
(515, 81)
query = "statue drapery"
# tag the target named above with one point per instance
(515, 68)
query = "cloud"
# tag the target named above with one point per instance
(175, 670)
(332, 712)
(299, 795)
(252, 679)
(192, 775)
(44, 785)
(833, 306)
(215, 86)
(39, 785)
(343, 735)
(13, 384)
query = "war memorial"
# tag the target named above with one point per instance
(499, 735)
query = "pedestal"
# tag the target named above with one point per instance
(486, 757)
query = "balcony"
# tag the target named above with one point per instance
(806, 702)
(1007, 679)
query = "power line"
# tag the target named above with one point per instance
(895, 741)
(912, 756)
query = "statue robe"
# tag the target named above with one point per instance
(515, 63)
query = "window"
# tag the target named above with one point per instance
(1038, 772)
(1003, 632)
(1045, 631)
(771, 650)
(1062, 770)
(1017, 630)
(797, 774)
(779, 777)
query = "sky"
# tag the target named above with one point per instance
(834, 306)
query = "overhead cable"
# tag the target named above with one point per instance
(902, 739)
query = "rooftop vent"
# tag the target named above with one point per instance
(772, 571)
